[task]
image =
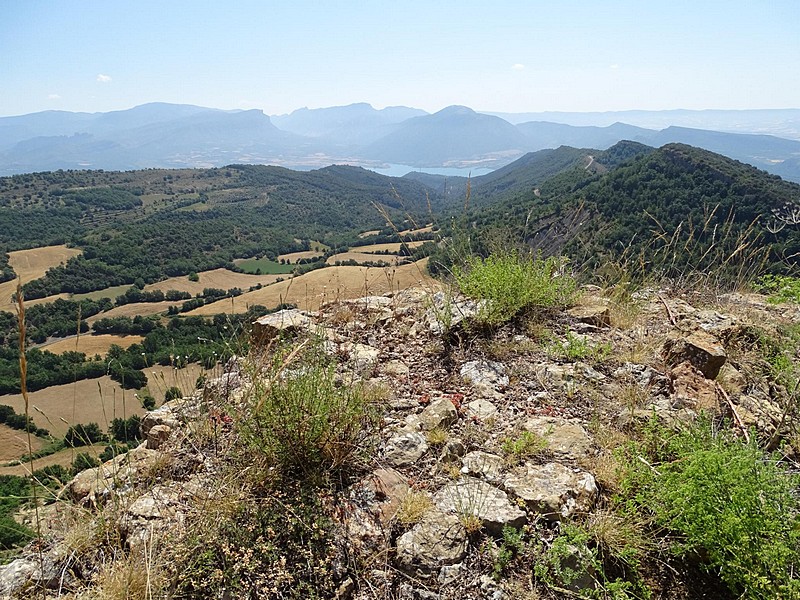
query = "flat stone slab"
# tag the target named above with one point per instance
(565, 438)
(483, 464)
(471, 496)
(485, 373)
(439, 539)
(553, 490)
(285, 321)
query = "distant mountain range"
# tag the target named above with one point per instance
(172, 136)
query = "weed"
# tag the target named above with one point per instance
(522, 447)
(512, 284)
(302, 420)
(729, 502)
(577, 347)
(437, 436)
(780, 288)
(414, 505)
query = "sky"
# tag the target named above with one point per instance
(512, 56)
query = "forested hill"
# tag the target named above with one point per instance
(672, 207)
(153, 224)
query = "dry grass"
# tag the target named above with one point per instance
(222, 279)
(413, 507)
(32, 264)
(425, 229)
(370, 233)
(13, 443)
(91, 344)
(311, 290)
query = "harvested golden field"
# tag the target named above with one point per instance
(32, 264)
(389, 246)
(324, 285)
(426, 229)
(367, 234)
(98, 400)
(63, 457)
(222, 279)
(362, 257)
(91, 344)
(14, 443)
(293, 257)
(136, 308)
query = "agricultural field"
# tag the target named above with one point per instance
(91, 344)
(109, 292)
(98, 400)
(63, 457)
(263, 265)
(222, 279)
(362, 257)
(32, 264)
(388, 247)
(293, 257)
(14, 443)
(135, 308)
(311, 290)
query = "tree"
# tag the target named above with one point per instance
(173, 393)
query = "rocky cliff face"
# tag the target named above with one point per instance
(484, 439)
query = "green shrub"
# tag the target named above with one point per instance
(84, 461)
(173, 393)
(728, 503)
(512, 284)
(84, 435)
(780, 288)
(303, 420)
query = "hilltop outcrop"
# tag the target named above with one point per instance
(480, 435)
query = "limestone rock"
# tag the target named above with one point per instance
(699, 348)
(440, 413)
(483, 464)
(447, 313)
(405, 448)
(481, 410)
(94, 486)
(284, 322)
(363, 357)
(173, 414)
(471, 496)
(553, 490)
(485, 374)
(157, 436)
(396, 368)
(565, 438)
(371, 505)
(594, 313)
(439, 539)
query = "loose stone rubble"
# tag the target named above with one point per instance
(448, 411)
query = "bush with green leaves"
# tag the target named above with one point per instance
(780, 288)
(511, 283)
(84, 461)
(84, 435)
(303, 420)
(723, 500)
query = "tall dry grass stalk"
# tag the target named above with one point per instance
(23, 383)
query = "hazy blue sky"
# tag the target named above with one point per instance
(99, 55)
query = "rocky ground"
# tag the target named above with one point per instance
(480, 432)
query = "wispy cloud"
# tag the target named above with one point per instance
(518, 67)
(53, 97)
(104, 78)
(614, 66)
